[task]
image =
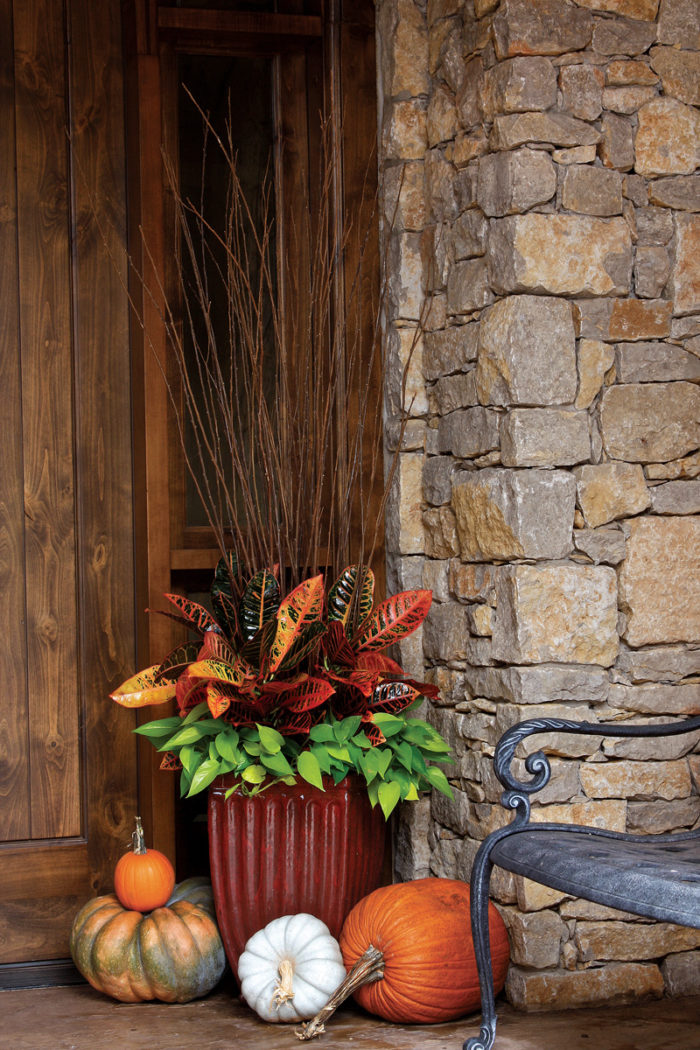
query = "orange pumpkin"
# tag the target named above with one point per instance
(143, 878)
(174, 954)
(423, 931)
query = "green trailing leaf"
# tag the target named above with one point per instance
(270, 739)
(187, 735)
(277, 764)
(438, 780)
(346, 728)
(309, 769)
(254, 774)
(163, 727)
(393, 620)
(299, 609)
(227, 746)
(388, 795)
(351, 597)
(204, 775)
(259, 603)
(322, 732)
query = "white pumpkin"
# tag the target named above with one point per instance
(289, 970)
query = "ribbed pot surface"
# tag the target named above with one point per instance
(291, 849)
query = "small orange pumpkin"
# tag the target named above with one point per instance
(143, 878)
(423, 931)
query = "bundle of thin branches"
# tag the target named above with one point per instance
(279, 408)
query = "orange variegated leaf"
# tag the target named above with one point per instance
(218, 671)
(143, 689)
(195, 615)
(214, 644)
(393, 620)
(300, 608)
(304, 695)
(216, 701)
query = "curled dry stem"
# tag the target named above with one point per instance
(368, 968)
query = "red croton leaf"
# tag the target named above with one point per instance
(393, 620)
(190, 692)
(305, 695)
(336, 646)
(216, 646)
(294, 723)
(195, 615)
(363, 681)
(392, 697)
(372, 731)
(170, 762)
(378, 662)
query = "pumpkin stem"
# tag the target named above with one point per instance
(284, 989)
(368, 968)
(138, 842)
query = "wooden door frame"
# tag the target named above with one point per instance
(346, 30)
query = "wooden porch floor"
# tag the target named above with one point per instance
(78, 1018)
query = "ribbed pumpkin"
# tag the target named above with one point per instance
(173, 954)
(423, 930)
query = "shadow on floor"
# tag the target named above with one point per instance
(78, 1018)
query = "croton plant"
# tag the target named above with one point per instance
(278, 687)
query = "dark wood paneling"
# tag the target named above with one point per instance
(45, 335)
(66, 520)
(43, 888)
(103, 414)
(14, 760)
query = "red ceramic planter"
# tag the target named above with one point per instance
(289, 850)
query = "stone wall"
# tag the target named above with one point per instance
(538, 163)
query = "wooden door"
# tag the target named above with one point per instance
(67, 756)
(318, 51)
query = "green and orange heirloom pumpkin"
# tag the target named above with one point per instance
(173, 954)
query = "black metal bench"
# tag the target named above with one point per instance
(655, 876)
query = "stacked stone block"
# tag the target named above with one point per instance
(540, 193)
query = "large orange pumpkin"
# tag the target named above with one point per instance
(423, 930)
(173, 954)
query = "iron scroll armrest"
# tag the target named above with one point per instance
(516, 797)
(537, 764)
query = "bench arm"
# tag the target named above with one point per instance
(537, 763)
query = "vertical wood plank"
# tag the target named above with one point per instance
(14, 759)
(103, 426)
(152, 506)
(45, 334)
(355, 71)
